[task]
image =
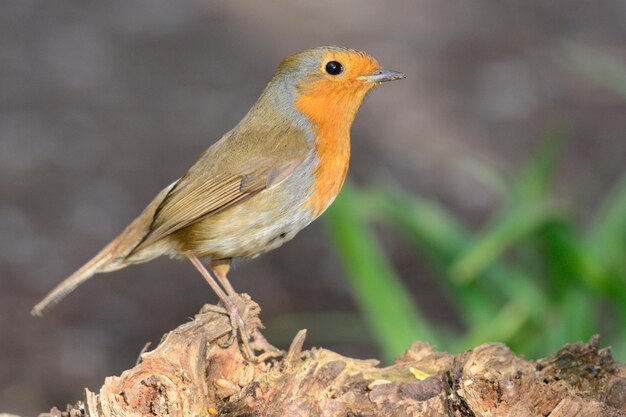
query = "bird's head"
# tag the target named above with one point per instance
(328, 84)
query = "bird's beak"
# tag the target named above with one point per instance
(381, 75)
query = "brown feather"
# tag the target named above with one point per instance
(202, 192)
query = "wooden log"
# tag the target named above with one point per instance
(190, 373)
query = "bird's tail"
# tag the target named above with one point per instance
(95, 265)
(116, 255)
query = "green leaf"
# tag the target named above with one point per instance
(507, 229)
(443, 238)
(568, 261)
(607, 237)
(503, 326)
(536, 180)
(578, 315)
(389, 310)
(570, 320)
(438, 235)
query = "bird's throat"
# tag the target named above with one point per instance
(331, 121)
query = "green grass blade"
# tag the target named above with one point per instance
(389, 310)
(606, 243)
(579, 315)
(509, 228)
(438, 235)
(572, 319)
(442, 238)
(433, 230)
(568, 262)
(503, 326)
(536, 180)
(607, 237)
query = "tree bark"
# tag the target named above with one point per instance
(190, 374)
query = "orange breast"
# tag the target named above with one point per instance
(331, 103)
(333, 152)
(331, 129)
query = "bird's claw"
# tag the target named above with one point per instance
(233, 332)
(238, 326)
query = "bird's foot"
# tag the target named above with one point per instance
(237, 325)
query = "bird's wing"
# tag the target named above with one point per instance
(198, 194)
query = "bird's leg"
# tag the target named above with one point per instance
(236, 321)
(220, 268)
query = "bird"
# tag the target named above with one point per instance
(261, 183)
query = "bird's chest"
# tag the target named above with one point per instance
(332, 158)
(276, 215)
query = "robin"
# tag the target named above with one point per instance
(260, 184)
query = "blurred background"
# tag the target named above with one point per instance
(486, 200)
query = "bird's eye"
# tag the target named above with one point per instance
(334, 68)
